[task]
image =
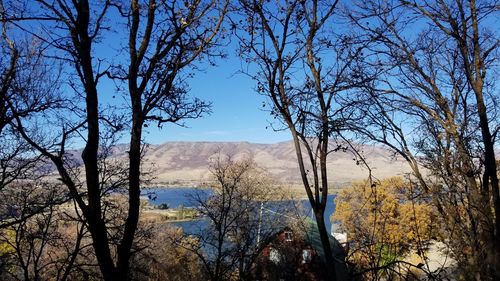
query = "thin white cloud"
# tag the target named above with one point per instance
(218, 133)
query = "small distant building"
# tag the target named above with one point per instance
(340, 236)
(297, 254)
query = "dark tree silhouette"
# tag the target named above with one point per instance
(435, 103)
(164, 40)
(303, 67)
(236, 224)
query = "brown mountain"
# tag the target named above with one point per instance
(187, 162)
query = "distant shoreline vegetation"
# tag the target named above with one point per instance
(177, 184)
(294, 189)
(177, 204)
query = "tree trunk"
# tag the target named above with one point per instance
(94, 217)
(124, 249)
(318, 208)
(490, 182)
(325, 241)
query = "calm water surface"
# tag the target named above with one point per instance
(175, 197)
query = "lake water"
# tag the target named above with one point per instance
(175, 197)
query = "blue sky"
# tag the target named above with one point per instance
(237, 113)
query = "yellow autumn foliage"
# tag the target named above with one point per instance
(385, 214)
(7, 237)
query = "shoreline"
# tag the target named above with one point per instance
(287, 191)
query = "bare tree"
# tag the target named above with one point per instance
(25, 90)
(435, 104)
(168, 257)
(164, 40)
(29, 85)
(48, 245)
(236, 225)
(156, 92)
(304, 66)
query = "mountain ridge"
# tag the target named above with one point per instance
(183, 161)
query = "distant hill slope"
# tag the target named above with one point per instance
(180, 162)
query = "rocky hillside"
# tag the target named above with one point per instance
(184, 162)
